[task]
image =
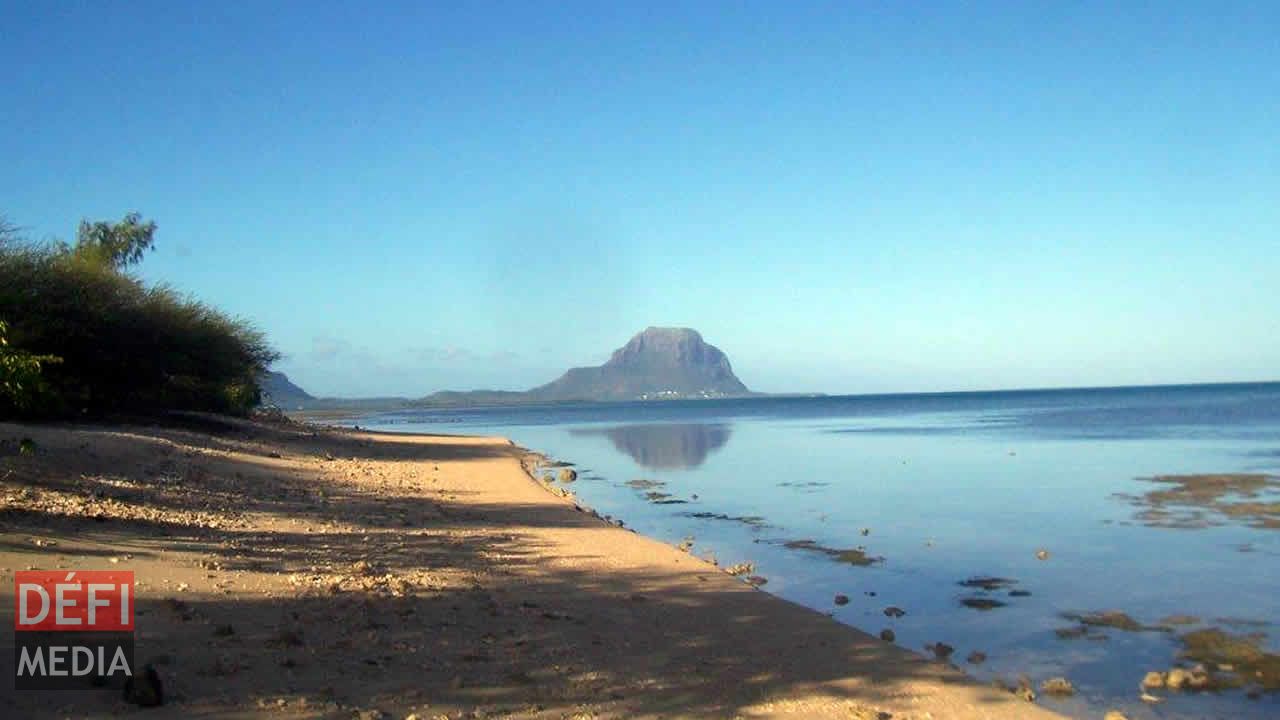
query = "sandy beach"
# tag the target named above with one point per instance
(298, 571)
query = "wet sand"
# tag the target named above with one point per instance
(296, 571)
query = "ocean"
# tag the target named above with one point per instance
(1000, 523)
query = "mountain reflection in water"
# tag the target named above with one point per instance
(666, 446)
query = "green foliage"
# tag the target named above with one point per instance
(21, 384)
(26, 446)
(123, 346)
(116, 244)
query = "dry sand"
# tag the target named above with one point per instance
(293, 571)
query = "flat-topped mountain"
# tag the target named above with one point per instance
(656, 363)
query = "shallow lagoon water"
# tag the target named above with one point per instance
(949, 487)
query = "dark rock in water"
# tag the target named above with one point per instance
(144, 688)
(568, 475)
(1207, 500)
(842, 599)
(1019, 593)
(978, 602)
(894, 612)
(1071, 633)
(757, 580)
(1244, 654)
(977, 657)
(661, 498)
(887, 635)
(1113, 619)
(852, 556)
(1058, 686)
(755, 522)
(1177, 679)
(940, 650)
(1022, 689)
(1153, 680)
(983, 582)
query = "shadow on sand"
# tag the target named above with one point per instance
(455, 608)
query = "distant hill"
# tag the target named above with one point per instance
(658, 363)
(278, 390)
(478, 397)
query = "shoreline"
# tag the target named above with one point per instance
(303, 570)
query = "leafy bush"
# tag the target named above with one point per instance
(122, 346)
(21, 385)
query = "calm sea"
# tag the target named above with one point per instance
(949, 487)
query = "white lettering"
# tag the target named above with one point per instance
(55, 657)
(61, 603)
(32, 666)
(95, 602)
(78, 652)
(24, 614)
(124, 604)
(120, 661)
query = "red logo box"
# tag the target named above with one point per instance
(73, 600)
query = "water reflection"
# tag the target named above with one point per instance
(666, 446)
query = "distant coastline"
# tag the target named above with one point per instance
(458, 400)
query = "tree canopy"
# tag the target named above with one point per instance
(118, 244)
(80, 335)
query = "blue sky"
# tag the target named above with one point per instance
(845, 197)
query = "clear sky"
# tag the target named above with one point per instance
(844, 197)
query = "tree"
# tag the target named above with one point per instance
(117, 244)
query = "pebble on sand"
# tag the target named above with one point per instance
(940, 650)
